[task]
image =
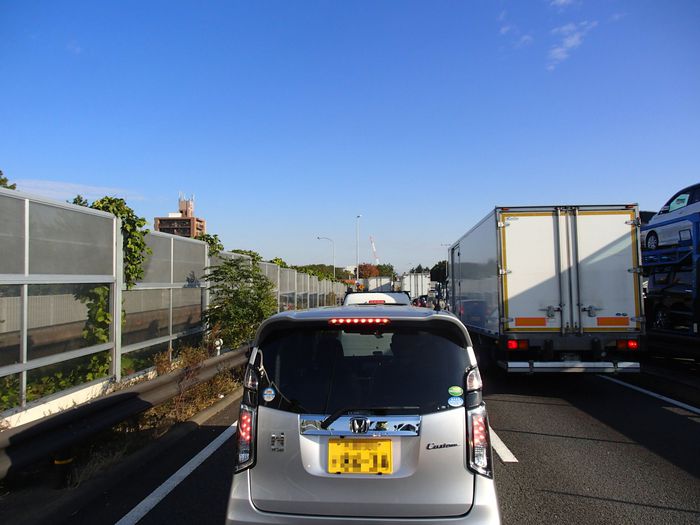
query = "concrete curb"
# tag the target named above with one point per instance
(69, 501)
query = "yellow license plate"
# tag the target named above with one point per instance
(359, 456)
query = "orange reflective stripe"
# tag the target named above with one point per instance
(612, 321)
(530, 321)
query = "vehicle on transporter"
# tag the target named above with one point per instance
(363, 414)
(552, 288)
(672, 269)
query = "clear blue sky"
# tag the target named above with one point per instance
(287, 119)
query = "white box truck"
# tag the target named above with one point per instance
(552, 288)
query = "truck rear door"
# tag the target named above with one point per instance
(606, 258)
(535, 269)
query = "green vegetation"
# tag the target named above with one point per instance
(215, 245)
(4, 183)
(241, 298)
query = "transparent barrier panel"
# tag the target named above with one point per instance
(58, 320)
(187, 309)
(69, 242)
(11, 235)
(188, 261)
(142, 359)
(147, 315)
(157, 264)
(10, 323)
(47, 380)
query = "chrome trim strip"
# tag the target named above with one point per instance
(402, 425)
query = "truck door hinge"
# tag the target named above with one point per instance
(503, 271)
(505, 320)
(550, 310)
(591, 310)
(640, 319)
(502, 224)
(634, 222)
(635, 270)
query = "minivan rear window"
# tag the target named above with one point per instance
(320, 370)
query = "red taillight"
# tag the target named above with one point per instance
(246, 438)
(627, 344)
(342, 321)
(512, 344)
(376, 301)
(479, 441)
(245, 426)
(517, 344)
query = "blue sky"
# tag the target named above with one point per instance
(288, 119)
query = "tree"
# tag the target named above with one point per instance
(419, 269)
(279, 262)
(241, 298)
(215, 245)
(368, 270)
(439, 272)
(4, 183)
(255, 256)
(79, 200)
(386, 270)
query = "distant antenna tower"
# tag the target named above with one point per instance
(374, 250)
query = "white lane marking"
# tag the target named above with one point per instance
(501, 449)
(155, 497)
(689, 408)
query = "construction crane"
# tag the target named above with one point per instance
(374, 250)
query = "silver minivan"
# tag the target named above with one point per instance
(363, 413)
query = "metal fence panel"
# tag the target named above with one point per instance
(11, 235)
(189, 258)
(157, 263)
(69, 242)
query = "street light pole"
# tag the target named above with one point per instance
(333, 251)
(357, 248)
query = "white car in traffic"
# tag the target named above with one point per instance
(673, 223)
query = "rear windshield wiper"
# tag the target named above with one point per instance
(376, 410)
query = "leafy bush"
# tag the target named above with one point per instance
(241, 298)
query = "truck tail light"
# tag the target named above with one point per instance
(627, 344)
(480, 455)
(517, 344)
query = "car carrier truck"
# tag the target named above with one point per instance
(552, 288)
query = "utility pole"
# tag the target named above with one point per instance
(357, 248)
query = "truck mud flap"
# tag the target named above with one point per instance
(597, 367)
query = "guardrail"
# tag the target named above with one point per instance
(26, 444)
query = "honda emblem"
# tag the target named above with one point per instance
(359, 425)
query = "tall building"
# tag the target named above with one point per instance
(182, 222)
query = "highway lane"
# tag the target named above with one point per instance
(592, 451)
(588, 451)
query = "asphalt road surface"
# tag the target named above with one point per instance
(588, 450)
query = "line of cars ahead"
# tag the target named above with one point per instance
(370, 412)
(346, 415)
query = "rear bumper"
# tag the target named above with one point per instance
(596, 367)
(241, 510)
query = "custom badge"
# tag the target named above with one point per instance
(455, 391)
(269, 394)
(455, 401)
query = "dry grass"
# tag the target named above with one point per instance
(112, 446)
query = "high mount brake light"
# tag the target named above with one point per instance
(342, 321)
